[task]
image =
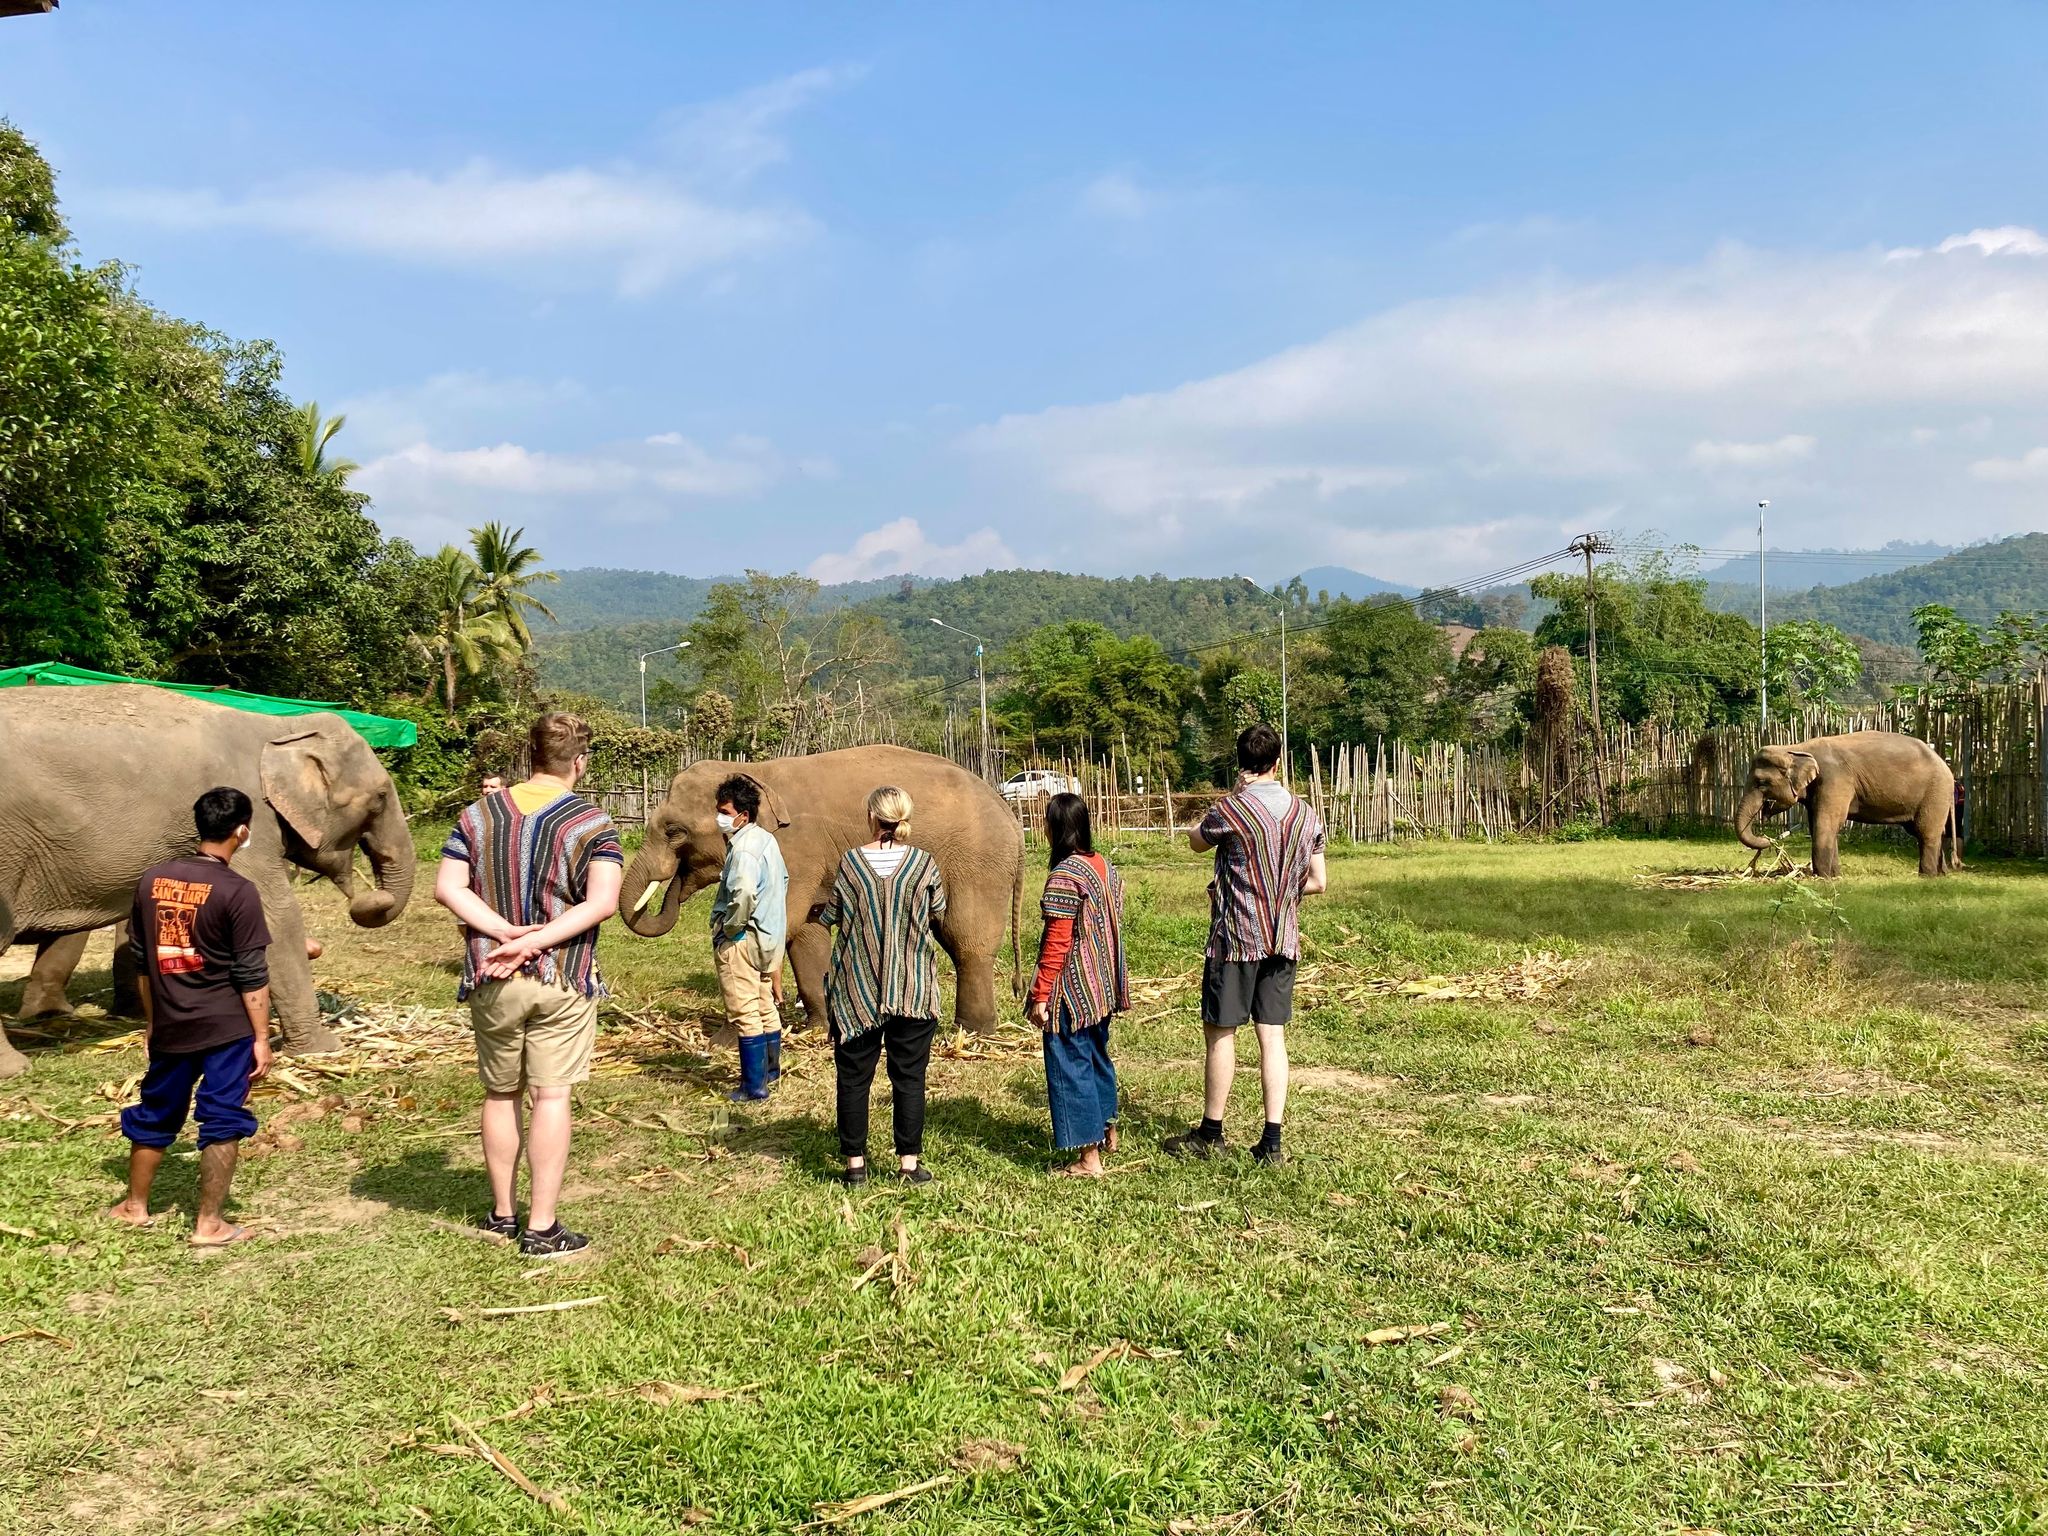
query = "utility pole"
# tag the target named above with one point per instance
(980, 672)
(1763, 644)
(1286, 762)
(1589, 545)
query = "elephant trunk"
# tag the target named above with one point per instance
(388, 842)
(1745, 815)
(652, 866)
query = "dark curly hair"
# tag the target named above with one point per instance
(742, 794)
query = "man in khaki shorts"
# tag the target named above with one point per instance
(531, 872)
(749, 928)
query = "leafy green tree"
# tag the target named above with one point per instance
(506, 571)
(1664, 654)
(1809, 662)
(467, 636)
(1493, 685)
(1078, 687)
(1949, 644)
(782, 663)
(1390, 669)
(28, 190)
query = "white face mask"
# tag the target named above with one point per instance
(726, 824)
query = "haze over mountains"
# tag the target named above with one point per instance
(607, 617)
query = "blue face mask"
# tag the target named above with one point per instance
(726, 824)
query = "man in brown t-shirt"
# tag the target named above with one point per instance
(200, 945)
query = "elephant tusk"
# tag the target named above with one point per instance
(650, 896)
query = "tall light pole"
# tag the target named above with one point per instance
(1763, 644)
(980, 672)
(681, 645)
(1286, 762)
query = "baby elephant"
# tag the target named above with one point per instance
(1878, 777)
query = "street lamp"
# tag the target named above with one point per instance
(681, 645)
(981, 673)
(1286, 767)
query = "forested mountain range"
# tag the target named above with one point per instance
(1978, 582)
(595, 595)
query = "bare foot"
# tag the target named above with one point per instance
(1109, 1137)
(129, 1213)
(1089, 1167)
(220, 1236)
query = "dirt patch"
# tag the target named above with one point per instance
(341, 1213)
(1509, 1100)
(1316, 1079)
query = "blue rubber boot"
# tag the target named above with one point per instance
(753, 1069)
(774, 1039)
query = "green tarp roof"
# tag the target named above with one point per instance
(377, 730)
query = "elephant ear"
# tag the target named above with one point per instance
(1805, 769)
(297, 783)
(772, 803)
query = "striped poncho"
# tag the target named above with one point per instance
(1087, 894)
(885, 960)
(1262, 856)
(531, 867)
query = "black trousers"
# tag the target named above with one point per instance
(909, 1046)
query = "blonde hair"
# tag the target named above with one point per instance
(556, 741)
(889, 809)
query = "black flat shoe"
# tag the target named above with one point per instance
(853, 1177)
(918, 1175)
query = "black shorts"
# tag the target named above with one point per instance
(1236, 992)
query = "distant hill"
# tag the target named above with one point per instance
(1800, 570)
(595, 595)
(599, 658)
(1341, 581)
(1977, 582)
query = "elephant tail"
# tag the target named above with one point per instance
(1017, 925)
(1953, 832)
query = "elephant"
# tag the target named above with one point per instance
(1878, 777)
(817, 808)
(57, 957)
(100, 786)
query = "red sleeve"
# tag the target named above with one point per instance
(1052, 956)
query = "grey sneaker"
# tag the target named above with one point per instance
(557, 1242)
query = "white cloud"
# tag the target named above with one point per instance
(2006, 240)
(736, 138)
(632, 226)
(2031, 465)
(430, 494)
(461, 404)
(1792, 445)
(903, 548)
(635, 229)
(1117, 195)
(1565, 399)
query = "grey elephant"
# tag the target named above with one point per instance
(57, 958)
(817, 808)
(100, 786)
(1877, 777)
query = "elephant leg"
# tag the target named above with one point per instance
(1826, 822)
(294, 1006)
(56, 959)
(810, 954)
(127, 999)
(1928, 827)
(12, 1062)
(974, 999)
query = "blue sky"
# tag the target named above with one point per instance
(1181, 288)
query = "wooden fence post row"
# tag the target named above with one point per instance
(1660, 778)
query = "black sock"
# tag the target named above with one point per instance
(1271, 1138)
(1210, 1130)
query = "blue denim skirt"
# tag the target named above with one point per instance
(1080, 1084)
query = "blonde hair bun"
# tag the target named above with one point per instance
(890, 807)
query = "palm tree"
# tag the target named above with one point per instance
(465, 637)
(314, 434)
(505, 569)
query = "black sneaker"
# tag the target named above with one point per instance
(557, 1242)
(853, 1177)
(918, 1175)
(1271, 1154)
(504, 1228)
(1192, 1144)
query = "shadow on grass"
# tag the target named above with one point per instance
(423, 1181)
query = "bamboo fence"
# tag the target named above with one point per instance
(1660, 778)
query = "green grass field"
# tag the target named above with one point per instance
(1742, 1228)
